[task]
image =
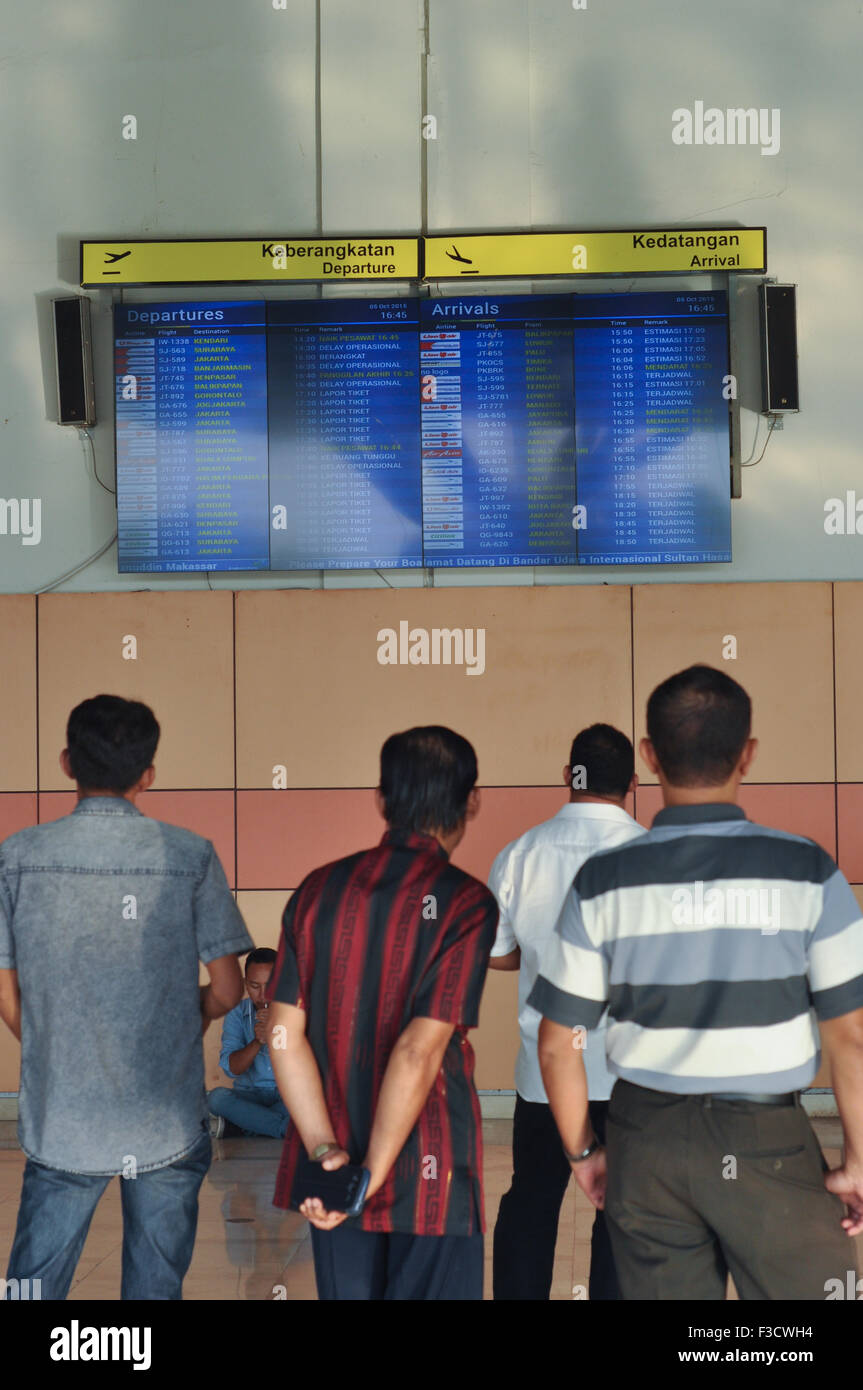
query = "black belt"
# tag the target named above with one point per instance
(755, 1097)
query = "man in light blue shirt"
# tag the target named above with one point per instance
(254, 1106)
(105, 915)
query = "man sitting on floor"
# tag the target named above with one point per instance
(254, 1106)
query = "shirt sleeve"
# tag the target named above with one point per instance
(285, 986)
(233, 1039)
(836, 952)
(500, 883)
(572, 985)
(7, 940)
(451, 986)
(219, 928)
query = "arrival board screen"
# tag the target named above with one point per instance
(496, 430)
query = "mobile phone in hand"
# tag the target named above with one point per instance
(341, 1189)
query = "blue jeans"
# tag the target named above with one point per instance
(160, 1217)
(257, 1110)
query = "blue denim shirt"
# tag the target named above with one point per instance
(238, 1030)
(105, 915)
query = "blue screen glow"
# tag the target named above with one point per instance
(499, 430)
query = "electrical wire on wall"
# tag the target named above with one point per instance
(70, 574)
(751, 462)
(46, 588)
(86, 432)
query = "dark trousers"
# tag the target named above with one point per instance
(352, 1264)
(699, 1187)
(525, 1233)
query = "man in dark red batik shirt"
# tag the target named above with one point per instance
(380, 971)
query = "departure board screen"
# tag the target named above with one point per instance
(344, 434)
(495, 430)
(191, 421)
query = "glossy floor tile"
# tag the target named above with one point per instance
(247, 1249)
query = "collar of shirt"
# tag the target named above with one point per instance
(697, 814)
(414, 839)
(593, 810)
(105, 806)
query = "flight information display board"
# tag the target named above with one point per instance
(455, 432)
(191, 421)
(344, 434)
(498, 443)
(652, 428)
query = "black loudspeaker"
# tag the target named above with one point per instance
(779, 348)
(74, 358)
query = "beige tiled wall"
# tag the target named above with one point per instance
(182, 666)
(18, 725)
(784, 659)
(312, 697)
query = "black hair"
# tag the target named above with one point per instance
(698, 722)
(111, 742)
(427, 775)
(262, 955)
(608, 759)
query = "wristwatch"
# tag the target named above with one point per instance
(585, 1153)
(322, 1150)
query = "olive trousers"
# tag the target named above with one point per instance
(700, 1187)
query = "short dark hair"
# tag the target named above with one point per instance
(111, 742)
(608, 759)
(262, 955)
(427, 775)
(698, 722)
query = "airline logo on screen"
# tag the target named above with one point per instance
(637, 252)
(354, 259)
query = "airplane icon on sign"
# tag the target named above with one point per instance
(454, 255)
(111, 257)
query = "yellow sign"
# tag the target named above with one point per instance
(356, 260)
(647, 251)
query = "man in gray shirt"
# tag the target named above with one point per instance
(104, 916)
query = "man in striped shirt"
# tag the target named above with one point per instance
(379, 975)
(718, 946)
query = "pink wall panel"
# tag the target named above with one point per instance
(801, 810)
(283, 835)
(505, 813)
(850, 802)
(17, 811)
(208, 813)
